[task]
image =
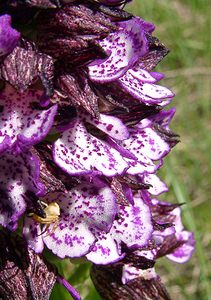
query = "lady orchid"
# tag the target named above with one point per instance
(83, 125)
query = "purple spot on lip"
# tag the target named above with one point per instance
(109, 127)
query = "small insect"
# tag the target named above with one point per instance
(47, 214)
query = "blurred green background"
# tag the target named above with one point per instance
(184, 26)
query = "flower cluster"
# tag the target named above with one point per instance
(83, 131)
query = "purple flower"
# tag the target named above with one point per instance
(133, 228)
(178, 244)
(85, 213)
(79, 152)
(125, 48)
(19, 174)
(22, 124)
(82, 134)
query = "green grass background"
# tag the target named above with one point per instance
(183, 26)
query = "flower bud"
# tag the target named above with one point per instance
(23, 274)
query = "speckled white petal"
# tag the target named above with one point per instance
(144, 165)
(108, 124)
(149, 254)
(157, 186)
(18, 174)
(85, 213)
(134, 87)
(155, 91)
(124, 152)
(136, 145)
(133, 226)
(142, 75)
(144, 124)
(183, 253)
(148, 93)
(124, 48)
(151, 143)
(23, 124)
(105, 251)
(155, 147)
(32, 232)
(78, 152)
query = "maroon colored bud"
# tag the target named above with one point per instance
(108, 282)
(117, 189)
(157, 51)
(23, 274)
(71, 31)
(76, 87)
(24, 65)
(169, 245)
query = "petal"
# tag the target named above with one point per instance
(8, 36)
(124, 152)
(143, 165)
(145, 92)
(124, 47)
(176, 213)
(157, 76)
(157, 186)
(133, 226)
(78, 152)
(148, 254)
(147, 146)
(108, 124)
(149, 142)
(105, 251)
(164, 117)
(153, 144)
(183, 253)
(141, 75)
(85, 213)
(33, 234)
(129, 273)
(18, 174)
(24, 125)
(144, 25)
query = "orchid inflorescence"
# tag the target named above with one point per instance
(83, 130)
